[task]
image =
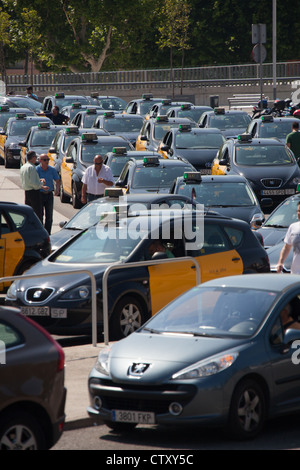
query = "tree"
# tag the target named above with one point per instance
(4, 39)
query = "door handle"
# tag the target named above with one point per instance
(236, 259)
(18, 239)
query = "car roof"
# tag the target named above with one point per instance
(259, 141)
(266, 281)
(163, 161)
(143, 197)
(218, 179)
(198, 130)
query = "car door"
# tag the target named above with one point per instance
(141, 141)
(12, 247)
(24, 149)
(67, 168)
(221, 162)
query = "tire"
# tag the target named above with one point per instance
(127, 317)
(63, 197)
(6, 163)
(21, 431)
(76, 203)
(247, 411)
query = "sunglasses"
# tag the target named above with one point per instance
(45, 159)
(100, 163)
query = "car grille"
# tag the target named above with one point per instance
(271, 182)
(142, 398)
(38, 294)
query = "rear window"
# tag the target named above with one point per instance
(9, 336)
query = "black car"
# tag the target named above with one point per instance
(61, 99)
(268, 164)
(126, 125)
(7, 112)
(79, 155)
(14, 131)
(219, 245)
(192, 112)
(108, 102)
(39, 139)
(161, 109)
(119, 156)
(18, 101)
(198, 146)
(141, 105)
(85, 118)
(32, 392)
(23, 239)
(230, 122)
(229, 195)
(269, 127)
(153, 174)
(114, 198)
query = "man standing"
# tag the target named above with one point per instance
(49, 174)
(32, 184)
(291, 240)
(95, 179)
(30, 93)
(56, 117)
(293, 140)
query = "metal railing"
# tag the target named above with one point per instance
(245, 74)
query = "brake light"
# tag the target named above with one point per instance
(60, 351)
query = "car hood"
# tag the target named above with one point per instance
(165, 354)
(271, 235)
(274, 253)
(260, 172)
(149, 190)
(244, 213)
(197, 156)
(232, 133)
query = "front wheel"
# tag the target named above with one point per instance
(21, 431)
(76, 203)
(127, 317)
(62, 195)
(247, 411)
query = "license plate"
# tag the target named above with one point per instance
(36, 311)
(277, 192)
(140, 417)
(58, 313)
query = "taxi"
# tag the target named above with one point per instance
(164, 107)
(117, 158)
(153, 131)
(220, 246)
(39, 139)
(152, 174)
(126, 125)
(270, 127)
(7, 112)
(108, 102)
(231, 122)
(268, 164)
(23, 240)
(198, 146)
(190, 111)
(71, 110)
(85, 117)
(15, 130)
(60, 99)
(79, 155)
(142, 105)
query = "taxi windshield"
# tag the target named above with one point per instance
(262, 155)
(123, 124)
(229, 121)
(21, 127)
(161, 128)
(195, 140)
(219, 195)
(99, 245)
(273, 129)
(5, 116)
(193, 114)
(67, 101)
(215, 312)
(284, 215)
(43, 137)
(157, 176)
(88, 151)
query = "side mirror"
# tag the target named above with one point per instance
(52, 150)
(159, 255)
(120, 184)
(143, 137)
(22, 144)
(223, 161)
(62, 223)
(291, 336)
(165, 148)
(69, 160)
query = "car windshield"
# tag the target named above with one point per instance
(61, 102)
(36, 106)
(284, 215)
(214, 312)
(99, 245)
(90, 214)
(197, 140)
(194, 114)
(123, 124)
(145, 106)
(262, 155)
(5, 116)
(89, 119)
(21, 127)
(275, 129)
(43, 137)
(218, 194)
(157, 177)
(112, 103)
(230, 121)
(161, 128)
(117, 163)
(89, 151)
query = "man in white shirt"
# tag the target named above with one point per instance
(291, 240)
(95, 179)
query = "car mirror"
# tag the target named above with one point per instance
(52, 150)
(159, 255)
(22, 144)
(69, 160)
(223, 161)
(164, 148)
(290, 336)
(143, 137)
(62, 223)
(120, 184)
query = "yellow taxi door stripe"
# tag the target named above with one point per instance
(13, 253)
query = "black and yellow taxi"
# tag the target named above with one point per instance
(71, 110)
(109, 102)
(79, 155)
(117, 158)
(198, 146)
(39, 139)
(23, 240)
(231, 122)
(19, 101)
(164, 107)
(269, 126)
(153, 131)
(141, 105)
(220, 246)
(14, 131)
(85, 117)
(7, 112)
(151, 174)
(61, 99)
(192, 112)
(126, 125)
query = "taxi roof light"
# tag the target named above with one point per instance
(186, 106)
(167, 101)
(184, 127)
(113, 192)
(219, 110)
(89, 136)
(91, 111)
(149, 161)
(44, 125)
(21, 115)
(244, 137)
(147, 96)
(267, 118)
(109, 114)
(162, 118)
(72, 130)
(119, 150)
(75, 105)
(4, 107)
(192, 176)
(59, 95)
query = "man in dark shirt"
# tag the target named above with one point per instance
(56, 117)
(293, 140)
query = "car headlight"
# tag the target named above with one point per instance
(296, 180)
(13, 146)
(207, 367)
(102, 364)
(11, 294)
(81, 292)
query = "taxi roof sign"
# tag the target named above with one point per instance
(147, 96)
(89, 136)
(186, 106)
(162, 118)
(148, 161)
(91, 111)
(77, 104)
(21, 115)
(44, 125)
(244, 137)
(184, 127)
(109, 114)
(219, 110)
(119, 150)
(3, 108)
(267, 118)
(94, 94)
(113, 192)
(192, 176)
(59, 95)
(167, 101)
(72, 130)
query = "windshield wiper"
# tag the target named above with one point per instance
(276, 226)
(151, 330)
